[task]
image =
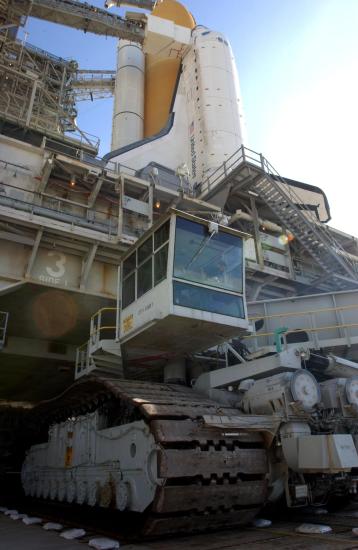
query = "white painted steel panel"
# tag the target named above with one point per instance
(333, 452)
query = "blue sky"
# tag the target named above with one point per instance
(298, 68)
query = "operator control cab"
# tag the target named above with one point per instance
(182, 287)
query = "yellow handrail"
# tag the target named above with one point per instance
(103, 309)
(82, 345)
(99, 329)
(310, 329)
(298, 313)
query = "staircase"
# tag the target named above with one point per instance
(100, 354)
(251, 171)
(4, 316)
(314, 237)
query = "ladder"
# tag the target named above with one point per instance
(314, 237)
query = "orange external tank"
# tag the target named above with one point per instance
(161, 73)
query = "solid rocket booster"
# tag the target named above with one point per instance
(128, 112)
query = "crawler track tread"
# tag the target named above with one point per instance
(209, 480)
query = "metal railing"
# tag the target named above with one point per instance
(82, 359)
(44, 53)
(322, 230)
(4, 317)
(91, 85)
(80, 14)
(74, 151)
(111, 166)
(94, 78)
(242, 155)
(12, 166)
(103, 325)
(245, 155)
(314, 321)
(84, 138)
(55, 207)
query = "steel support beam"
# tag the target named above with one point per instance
(11, 288)
(45, 175)
(31, 104)
(255, 219)
(13, 237)
(120, 191)
(94, 193)
(86, 265)
(33, 253)
(151, 203)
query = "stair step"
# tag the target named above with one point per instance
(314, 238)
(268, 191)
(271, 195)
(283, 206)
(108, 360)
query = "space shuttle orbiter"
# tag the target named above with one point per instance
(177, 101)
(177, 97)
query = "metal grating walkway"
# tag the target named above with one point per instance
(82, 16)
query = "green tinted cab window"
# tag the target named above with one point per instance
(145, 250)
(129, 264)
(145, 278)
(160, 264)
(161, 235)
(211, 259)
(128, 293)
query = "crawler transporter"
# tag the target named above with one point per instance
(205, 446)
(178, 323)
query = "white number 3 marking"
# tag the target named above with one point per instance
(59, 263)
